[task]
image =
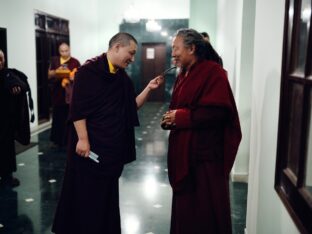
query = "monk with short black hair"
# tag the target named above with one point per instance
(104, 114)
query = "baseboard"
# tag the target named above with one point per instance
(239, 177)
(40, 128)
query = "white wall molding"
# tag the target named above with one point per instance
(239, 177)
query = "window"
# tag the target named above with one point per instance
(293, 178)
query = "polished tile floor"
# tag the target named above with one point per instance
(145, 194)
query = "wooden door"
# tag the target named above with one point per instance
(153, 64)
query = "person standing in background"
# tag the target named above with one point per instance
(14, 119)
(61, 74)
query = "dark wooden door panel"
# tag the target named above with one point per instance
(153, 64)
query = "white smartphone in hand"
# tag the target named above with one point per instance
(94, 157)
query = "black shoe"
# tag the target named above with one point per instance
(11, 182)
(14, 182)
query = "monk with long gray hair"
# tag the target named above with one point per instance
(204, 138)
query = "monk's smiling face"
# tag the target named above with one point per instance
(124, 54)
(183, 55)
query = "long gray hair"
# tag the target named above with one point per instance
(192, 37)
(203, 49)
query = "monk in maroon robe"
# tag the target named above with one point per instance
(104, 114)
(61, 90)
(203, 141)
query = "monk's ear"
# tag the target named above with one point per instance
(192, 49)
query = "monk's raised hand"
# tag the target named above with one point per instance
(156, 82)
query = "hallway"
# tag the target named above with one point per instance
(145, 193)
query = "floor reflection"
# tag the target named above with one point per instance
(145, 194)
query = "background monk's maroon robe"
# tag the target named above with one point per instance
(57, 91)
(89, 201)
(202, 149)
(59, 106)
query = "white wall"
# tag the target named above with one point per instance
(92, 24)
(243, 88)
(235, 45)
(111, 15)
(203, 17)
(265, 212)
(229, 23)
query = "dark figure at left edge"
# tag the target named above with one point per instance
(14, 119)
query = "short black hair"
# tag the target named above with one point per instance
(122, 38)
(63, 43)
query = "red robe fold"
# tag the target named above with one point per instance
(59, 103)
(205, 86)
(202, 150)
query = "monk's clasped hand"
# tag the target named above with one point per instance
(168, 118)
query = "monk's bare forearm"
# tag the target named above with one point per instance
(83, 145)
(81, 129)
(142, 97)
(152, 85)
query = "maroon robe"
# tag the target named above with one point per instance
(59, 104)
(58, 92)
(89, 201)
(202, 150)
